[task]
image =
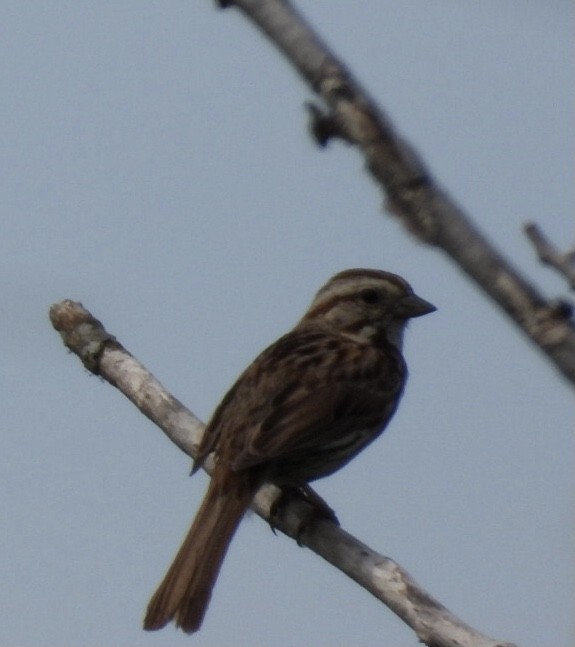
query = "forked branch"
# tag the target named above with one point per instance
(563, 262)
(411, 193)
(103, 355)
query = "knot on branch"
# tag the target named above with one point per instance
(324, 126)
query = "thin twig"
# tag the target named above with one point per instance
(103, 355)
(548, 254)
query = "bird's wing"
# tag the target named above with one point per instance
(300, 394)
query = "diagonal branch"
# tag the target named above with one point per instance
(103, 355)
(411, 192)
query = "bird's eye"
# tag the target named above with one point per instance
(370, 297)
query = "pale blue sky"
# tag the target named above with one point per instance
(157, 168)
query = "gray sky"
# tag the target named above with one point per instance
(157, 168)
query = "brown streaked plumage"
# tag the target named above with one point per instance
(305, 407)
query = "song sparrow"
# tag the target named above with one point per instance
(306, 406)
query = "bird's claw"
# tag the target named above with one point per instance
(317, 509)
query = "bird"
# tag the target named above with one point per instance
(301, 410)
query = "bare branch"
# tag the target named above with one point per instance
(411, 193)
(548, 254)
(103, 355)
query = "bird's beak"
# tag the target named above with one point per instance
(414, 306)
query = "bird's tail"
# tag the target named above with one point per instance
(185, 592)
